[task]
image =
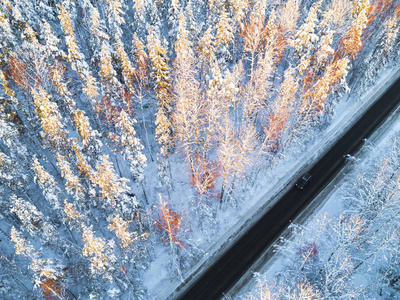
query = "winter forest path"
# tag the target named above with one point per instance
(236, 260)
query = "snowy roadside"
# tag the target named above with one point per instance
(327, 201)
(267, 194)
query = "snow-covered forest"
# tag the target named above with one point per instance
(132, 133)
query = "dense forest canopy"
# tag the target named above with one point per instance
(113, 111)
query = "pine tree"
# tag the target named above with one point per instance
(90, 88)
(305, 38)
(53, 44)
(160, 74)
(47, 184)
(81, 122)
(97, 27)
(128, 72)
(50, 117)
(186, 90)
(73, 185)
(141, 58)
(107, 71)
(115, 17)
(391, 32)
(74, 55)
(94, 248)
(351, 43)
(43, 269)
(206, 50)
(224, 33)
(111, 186)
(138, 6)
(121, 229)
(72, 216)
(110, 85)
(132, 146)
(32, 220)
(240, 8)
(4, 83)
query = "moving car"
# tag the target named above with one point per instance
(303, 181)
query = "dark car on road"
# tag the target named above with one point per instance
(303, 181)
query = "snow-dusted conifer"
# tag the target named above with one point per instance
(73, 185)
(53, 43)
(224, 33)
(305, 38)
(132, 146)
(206, 49)
(111, 186)
(43, 268)
(97, 28)
(120, 227)
(50, 117)
(94, 248)
(47, 184)
(115, 17)
(32, 220)
(110, 83)
(352, 42)
(128, 72)
(160, 73)
(74, 55)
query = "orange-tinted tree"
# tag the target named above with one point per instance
(170, 224)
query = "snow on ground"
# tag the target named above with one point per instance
(332, 201)
(269, 184)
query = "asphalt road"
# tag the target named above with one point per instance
(236, 260)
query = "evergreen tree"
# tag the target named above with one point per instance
(160, 74)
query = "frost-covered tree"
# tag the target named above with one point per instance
(120, 227)
(32, 220)
(314, 99)
(206, 50)
(74, 55)
(94, 248)
(132, 146)
(224, 34)
(115, 16)
(128, 72)
(43, 269)
(351, 42)
(50, 117)
(186, 89)
(160, 74)
(97, 27)
(48, 184)
(110, 185)
(72, 182)
(306, 37)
